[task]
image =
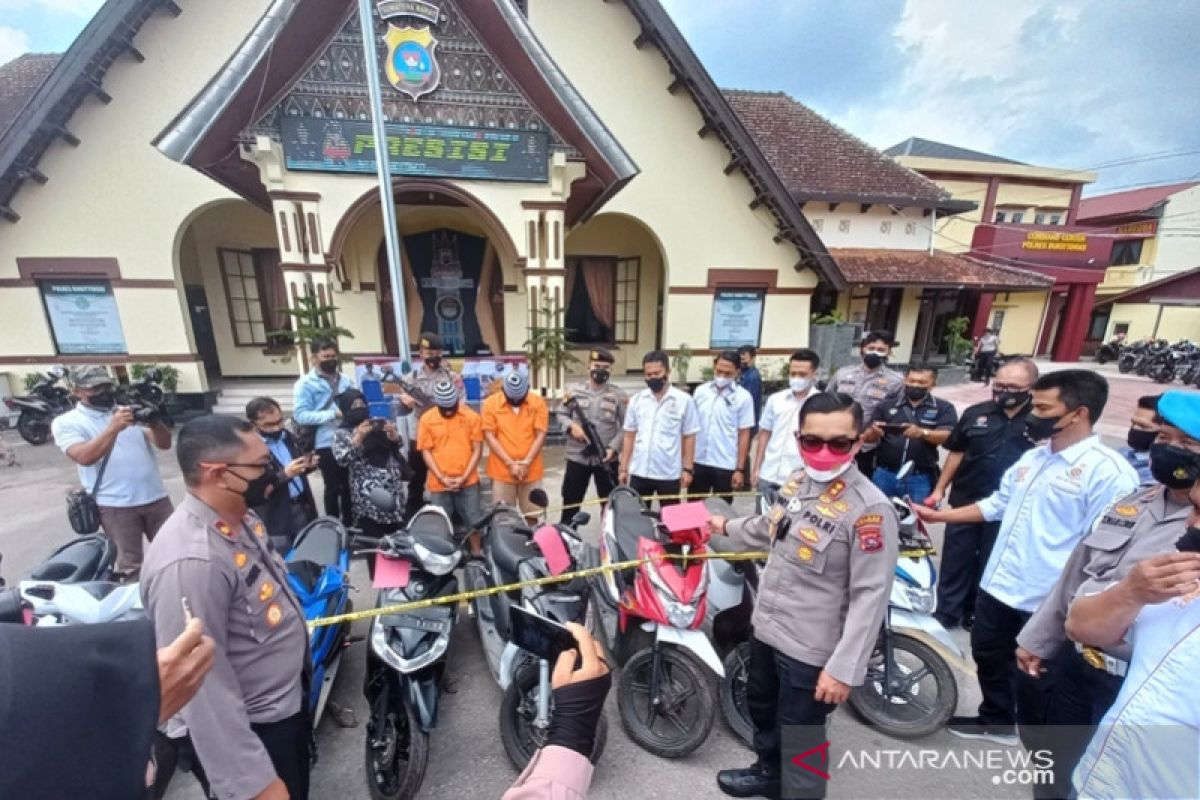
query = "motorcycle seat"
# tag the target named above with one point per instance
(630, 523)
(509, 549)
(321, 542)
(427, 523)
(79, 560)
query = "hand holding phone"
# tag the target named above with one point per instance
(543, 637)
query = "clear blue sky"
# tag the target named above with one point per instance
(1103, 84)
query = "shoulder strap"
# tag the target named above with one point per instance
(103, 466)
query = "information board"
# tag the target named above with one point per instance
(736, 319)
(84, 317)
(491, 154)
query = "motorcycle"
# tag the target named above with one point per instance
(12, 607)
(406, 660)
(1110, 350)
(649, 617)
(318, 565)
(45, 401)
(513, 552)
(52, 603)
(983, 370)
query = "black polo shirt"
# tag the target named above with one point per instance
(896, 448)
(990, 442)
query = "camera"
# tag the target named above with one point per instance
(145, 398)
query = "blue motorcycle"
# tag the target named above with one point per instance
(319, 574)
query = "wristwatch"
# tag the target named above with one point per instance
(689, 470)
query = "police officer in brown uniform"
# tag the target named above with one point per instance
(417, 397)
(833, 539)
(1144, 524)
(249, 722)
(870, 383)
(602, 404)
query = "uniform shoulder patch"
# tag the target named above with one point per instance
(868, 529)
(1126, 510)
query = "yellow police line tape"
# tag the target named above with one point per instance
(596, 501)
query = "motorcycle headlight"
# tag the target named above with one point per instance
(381, 648)
(680, 615)
(435, 563)
(921, 600)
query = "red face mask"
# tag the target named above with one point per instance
(825, 459)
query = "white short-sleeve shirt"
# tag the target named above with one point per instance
(131, 477)
(723, 413)
(781, 418)
(660, 426)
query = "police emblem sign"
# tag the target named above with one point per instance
(411, 65)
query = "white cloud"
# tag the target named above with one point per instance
(12, 44)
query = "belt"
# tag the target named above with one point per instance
(1099, 659)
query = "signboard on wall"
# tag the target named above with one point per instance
(83, 317)
(1053, 240)
(341, 145)
(736, 319)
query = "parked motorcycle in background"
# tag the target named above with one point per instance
(36, 410)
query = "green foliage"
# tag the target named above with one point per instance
(707, 374)
(834, 317)
(680, 362)
(547, 343)
(958, 346)
(30, 380)
(170, 375)
(311, 319)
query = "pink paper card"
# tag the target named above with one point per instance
(550, 542)
(686, 517)
(390, 573)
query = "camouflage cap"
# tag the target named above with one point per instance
(89, 376)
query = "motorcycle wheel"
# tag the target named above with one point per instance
(682, 720)
(733, 693)
(1102, 357)
(518, 710)
(1125, 366)
(396, 769)
(35, 430)
(1164, 375)
(911, 712)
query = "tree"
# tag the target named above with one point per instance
(311, 319)
(547, 342)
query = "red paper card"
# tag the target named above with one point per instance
(550, 542)
(390, 573)
(686, 517)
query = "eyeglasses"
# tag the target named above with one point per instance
(1008, 387)
(840, 444)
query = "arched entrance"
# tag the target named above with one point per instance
(457, 260)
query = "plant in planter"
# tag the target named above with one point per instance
(311, 319)
(30, 380)
(958, 346)
(680, 362)
(547, 345)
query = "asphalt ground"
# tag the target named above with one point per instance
(467, 759)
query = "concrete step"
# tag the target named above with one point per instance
(234, 395)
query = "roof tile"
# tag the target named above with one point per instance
(19, 79)
(1133, 201)
(919, 268)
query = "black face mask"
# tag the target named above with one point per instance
(1010, 400)
(103, 400)
(656, 384)
(271, 436)
(329, 366)
(255, 493)
(1039, 428)
(915, 393)
(873, 360)
(357, 416)
(433, 362)
(1140, 440)
(1174, 467)
(600, 376)
(447, 413)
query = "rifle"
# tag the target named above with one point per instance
(595, 445)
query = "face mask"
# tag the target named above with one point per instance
(271, 436)
(329, 366)
(873, 360)
(722, 383)
(1174, 467)
(1139, 440)
(825, 465)
(357, 416)
(1039, 428)
(103, 400)
(257, 489)
(656, 384)
(799, 385)
(1010, 400)
(447, 413)
(520, 401)
(433, 362)
(600, 376)
(915, 393)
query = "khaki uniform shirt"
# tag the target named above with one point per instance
(826, 585)
(605, 408)
(419, 384)
(868, 388)
(1144, 524)
(236, 584)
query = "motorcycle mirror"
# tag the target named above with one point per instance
(539, 498)
(719, 507)
(382, 499)
(580, 519)
(904, 470)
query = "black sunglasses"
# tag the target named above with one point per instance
(840, 444)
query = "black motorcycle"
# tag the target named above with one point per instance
(45, 401)
(1110, 350)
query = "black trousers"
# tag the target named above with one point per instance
(289, 745)
(966, 548)
(1060, 712)
(337, 486)
(575, 485)
(416, 485)
(649, 488)
(994, 647)
(866, 461)
(708, 479)
(781, 691)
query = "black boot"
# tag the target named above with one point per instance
(755, 781)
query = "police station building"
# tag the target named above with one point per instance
(188, 170)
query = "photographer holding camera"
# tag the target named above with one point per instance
(113, 446)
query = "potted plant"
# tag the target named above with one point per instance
(311, 319)
(680, 363)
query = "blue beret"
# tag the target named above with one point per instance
(1181, 409)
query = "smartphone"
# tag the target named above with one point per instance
(894, 427)
(543, 637)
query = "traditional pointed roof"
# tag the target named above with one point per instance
(927, 148)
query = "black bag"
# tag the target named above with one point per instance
(82, 510)
(306, 435)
